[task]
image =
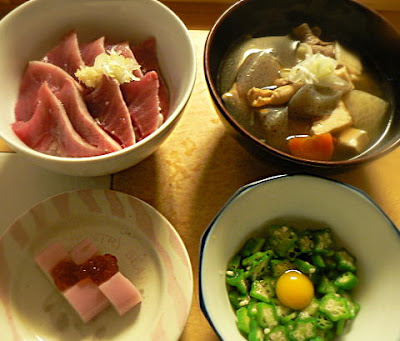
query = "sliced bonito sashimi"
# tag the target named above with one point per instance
(143, 103)
(90, 50)
(50, 131)
(108, 107)
(35, 75)
(82, 121)
(66, 54)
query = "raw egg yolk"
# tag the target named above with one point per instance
(294, 290)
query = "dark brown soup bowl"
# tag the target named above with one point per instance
(346, 21)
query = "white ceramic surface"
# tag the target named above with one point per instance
(149, 251)
(33, 28)
(301, 200)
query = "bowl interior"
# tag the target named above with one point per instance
(346, 21)
(35, 27)
(303, 201)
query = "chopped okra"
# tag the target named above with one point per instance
(292, 311)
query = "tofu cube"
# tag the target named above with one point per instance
(338, 120)
(83, 251)
(87, 299)
(353, 140)
(121, 293)
(51, 256)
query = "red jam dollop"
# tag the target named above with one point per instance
(98, 268)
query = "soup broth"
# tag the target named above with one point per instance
(304, 96)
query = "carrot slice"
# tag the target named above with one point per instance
(315, 147)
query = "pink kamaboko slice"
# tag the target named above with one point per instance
(90, 50)
(50, 131)
(109, 109)
(143, 104)
(51, 256)
(87, 299)
(66, 54)
(84, 250)
(82, 121)
(146, 55)
(121, 293)
(34, 76)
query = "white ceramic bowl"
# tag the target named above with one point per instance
(33, 28)
(356, 221)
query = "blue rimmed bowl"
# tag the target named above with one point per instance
(303, 201)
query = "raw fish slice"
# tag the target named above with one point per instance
(82, 121)
(87, 299)
(146, 55)
(124, 50)
(51, 256)
(121, 293)
(107, 106)
(50, 131)
(91, 50)
(66, 54)
(143, 104)
(35, 75)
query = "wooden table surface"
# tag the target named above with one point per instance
(200, 165)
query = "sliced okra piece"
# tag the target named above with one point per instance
(237, 299)
(305, 242)
(243, 320)
(234, 263)
(323, 322)
(323, 241)
(345, 261)
(346, 281)
(303, 330)
(263, 289)
(335, 307)
(256, 333)
(282, 239)
(340, 325)
(311, 310)
(354, 307)
(318, 261)
(279, 267)
(278, 333)
(238, 280)
(304, 266)
(266, 315)
(252, 246)
(258, 266)
(326, 286)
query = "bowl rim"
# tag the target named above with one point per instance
(170, 121)
(244, 134)
(248, 187)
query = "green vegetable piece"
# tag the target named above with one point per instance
(354, 307)
(304, 266)
(279, 333)
(234, 263)
(238, 280)
(237, 299)
(252, 308)
(303, 330)
(266, 315)
(346, 281)
(326, 286)
(335, 307)
(282, 239)
(318, 260)
(323, 322)
(311, 310)
(323, 242)
(263, 289)
(243, 320)
(345, 261)
(305, 242)
(283, 313)
(317, 339)
(255, 333)
(279, 267)
(258, 264)
(253, 245)
(340, 325)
